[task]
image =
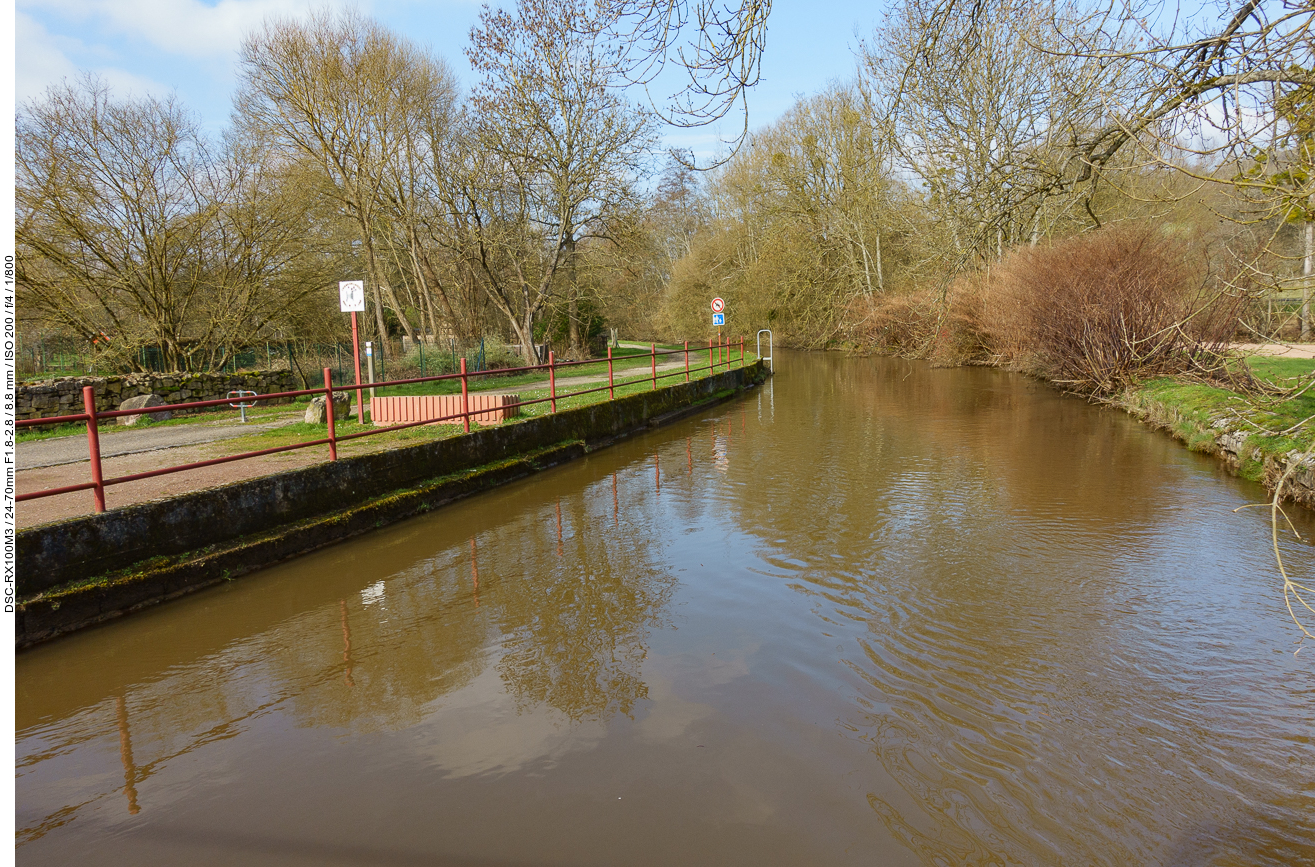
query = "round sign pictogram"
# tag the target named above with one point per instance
(718, 305)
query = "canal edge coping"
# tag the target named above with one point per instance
(111, 584)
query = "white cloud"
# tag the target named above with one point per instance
(190, 28)
(39, 58)
(42, 59)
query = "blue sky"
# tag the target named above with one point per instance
(190, 46)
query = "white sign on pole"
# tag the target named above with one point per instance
(718, 305)
(351, 295)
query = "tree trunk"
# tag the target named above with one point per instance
(881, 281)
(1307, 273)
(572, 305)
(381, 329)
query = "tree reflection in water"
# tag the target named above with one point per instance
(576, 629)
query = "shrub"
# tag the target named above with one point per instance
(1096, 312)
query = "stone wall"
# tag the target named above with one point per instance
(63, 396)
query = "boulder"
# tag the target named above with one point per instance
(342, 405)
(142, 401)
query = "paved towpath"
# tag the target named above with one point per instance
(1277, 350)
(73, 449)
(61, 461)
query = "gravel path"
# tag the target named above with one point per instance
(1278, 350)
(73, 449)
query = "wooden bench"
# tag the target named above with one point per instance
(484, 408)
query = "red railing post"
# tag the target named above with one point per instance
(652, 347)
(611, 389)
(328, 414)
(93, 446)
(465, 400)
(741, 350)
(552, 380)
(711, 367)
(687, 361)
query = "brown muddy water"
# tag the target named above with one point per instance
(870, 614)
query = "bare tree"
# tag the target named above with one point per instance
(987, 110)
(347, 93)
(716, 47)
(130, 227)
(558, 150)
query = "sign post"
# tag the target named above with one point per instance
(718, 318)
(351, 299)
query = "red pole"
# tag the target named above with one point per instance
(93, 446)
(741, 350)
(465, 400)
(687, 361)
(611, 390)
(711, 366)
(552, 380)
(356, 354)
(652, 347)
(328, 411)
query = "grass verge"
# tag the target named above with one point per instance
(1255, 434)
(300, 431)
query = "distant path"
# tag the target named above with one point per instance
(73, 449)
(1277, 350)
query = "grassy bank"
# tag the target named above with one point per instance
(1258, 435)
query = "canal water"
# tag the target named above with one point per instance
(872, 613)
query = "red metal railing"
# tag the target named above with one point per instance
(719, 358)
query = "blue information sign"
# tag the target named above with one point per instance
(719, 319)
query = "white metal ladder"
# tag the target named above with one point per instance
(768, 357)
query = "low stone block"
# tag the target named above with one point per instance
(342, 405)
(141, 402)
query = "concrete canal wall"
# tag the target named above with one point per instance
(81, 571)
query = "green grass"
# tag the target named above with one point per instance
(624, 359)
(301, 432)
(628, 362)
(635, 383)
(30, 434)
(1273, 424)
(1278, 369)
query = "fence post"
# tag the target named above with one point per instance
(328, 412)
(93, 446)
(652, 347)
(711, 368)
(465, 400)
(552, 381)
(611, 389)
(741, 350)
(687, 361)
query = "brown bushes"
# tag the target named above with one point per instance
(1092, 313)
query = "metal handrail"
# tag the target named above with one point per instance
(759, 348)
(92, 417)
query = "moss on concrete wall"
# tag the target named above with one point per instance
(76, 550)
